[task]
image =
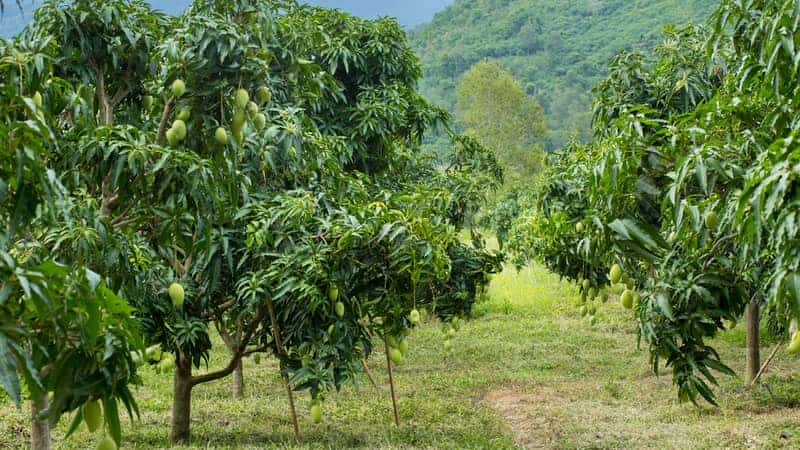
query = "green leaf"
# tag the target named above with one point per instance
(663, 302)
(112, 419)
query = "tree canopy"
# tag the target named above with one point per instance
(687, 187)
(250, 166)
(492, 106)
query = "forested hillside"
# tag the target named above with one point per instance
(559, 49)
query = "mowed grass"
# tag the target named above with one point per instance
(528, 371)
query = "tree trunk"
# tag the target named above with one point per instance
(105, 109)
(238, 381)
(232, 341)
(753, 344)
(40, 429)
(182, 402)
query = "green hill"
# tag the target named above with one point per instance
(559, 49)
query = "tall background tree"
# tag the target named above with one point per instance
(492, 107)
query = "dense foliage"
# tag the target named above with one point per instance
(61, 326)
(250, 166)
(559, 49)
(17, 13)
(689, 186)
(492, 106)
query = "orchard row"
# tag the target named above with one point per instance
(252, 167)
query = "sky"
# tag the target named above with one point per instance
(408, 12)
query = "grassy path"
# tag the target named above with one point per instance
(527, 372)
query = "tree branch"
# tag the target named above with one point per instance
(109, 198)
(162, 127)
(122, 91)
(226, 337)
(119, 96)
(104, 106)
(237, 356)
(222, 308)
(716, 245)
(256, 350)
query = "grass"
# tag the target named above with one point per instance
(527, 372)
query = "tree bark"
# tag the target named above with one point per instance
(391, 386)
(233, 341)
(40, 429)
(276, 333)
(181, 402)
(238, 381)
(753, 344)
(105, 109)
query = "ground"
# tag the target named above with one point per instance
(527, 372)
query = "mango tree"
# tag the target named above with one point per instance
(655, 195)
(360, 235)
(226, 162)
(62, 329)
(765, 36)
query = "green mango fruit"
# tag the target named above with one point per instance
(264, 94)
(333, 293)
(172, 137)
(221, 136)
(93, 415)
(238, 122)
(178, 88)
(252, 108)
(260, 121)
(316, 413)
(176, 294)
(395, 355)
(184, 114)
(180, 129)
(242, 97)
(627, 299)
(615, 275)
(107, 444)
(794, 345)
